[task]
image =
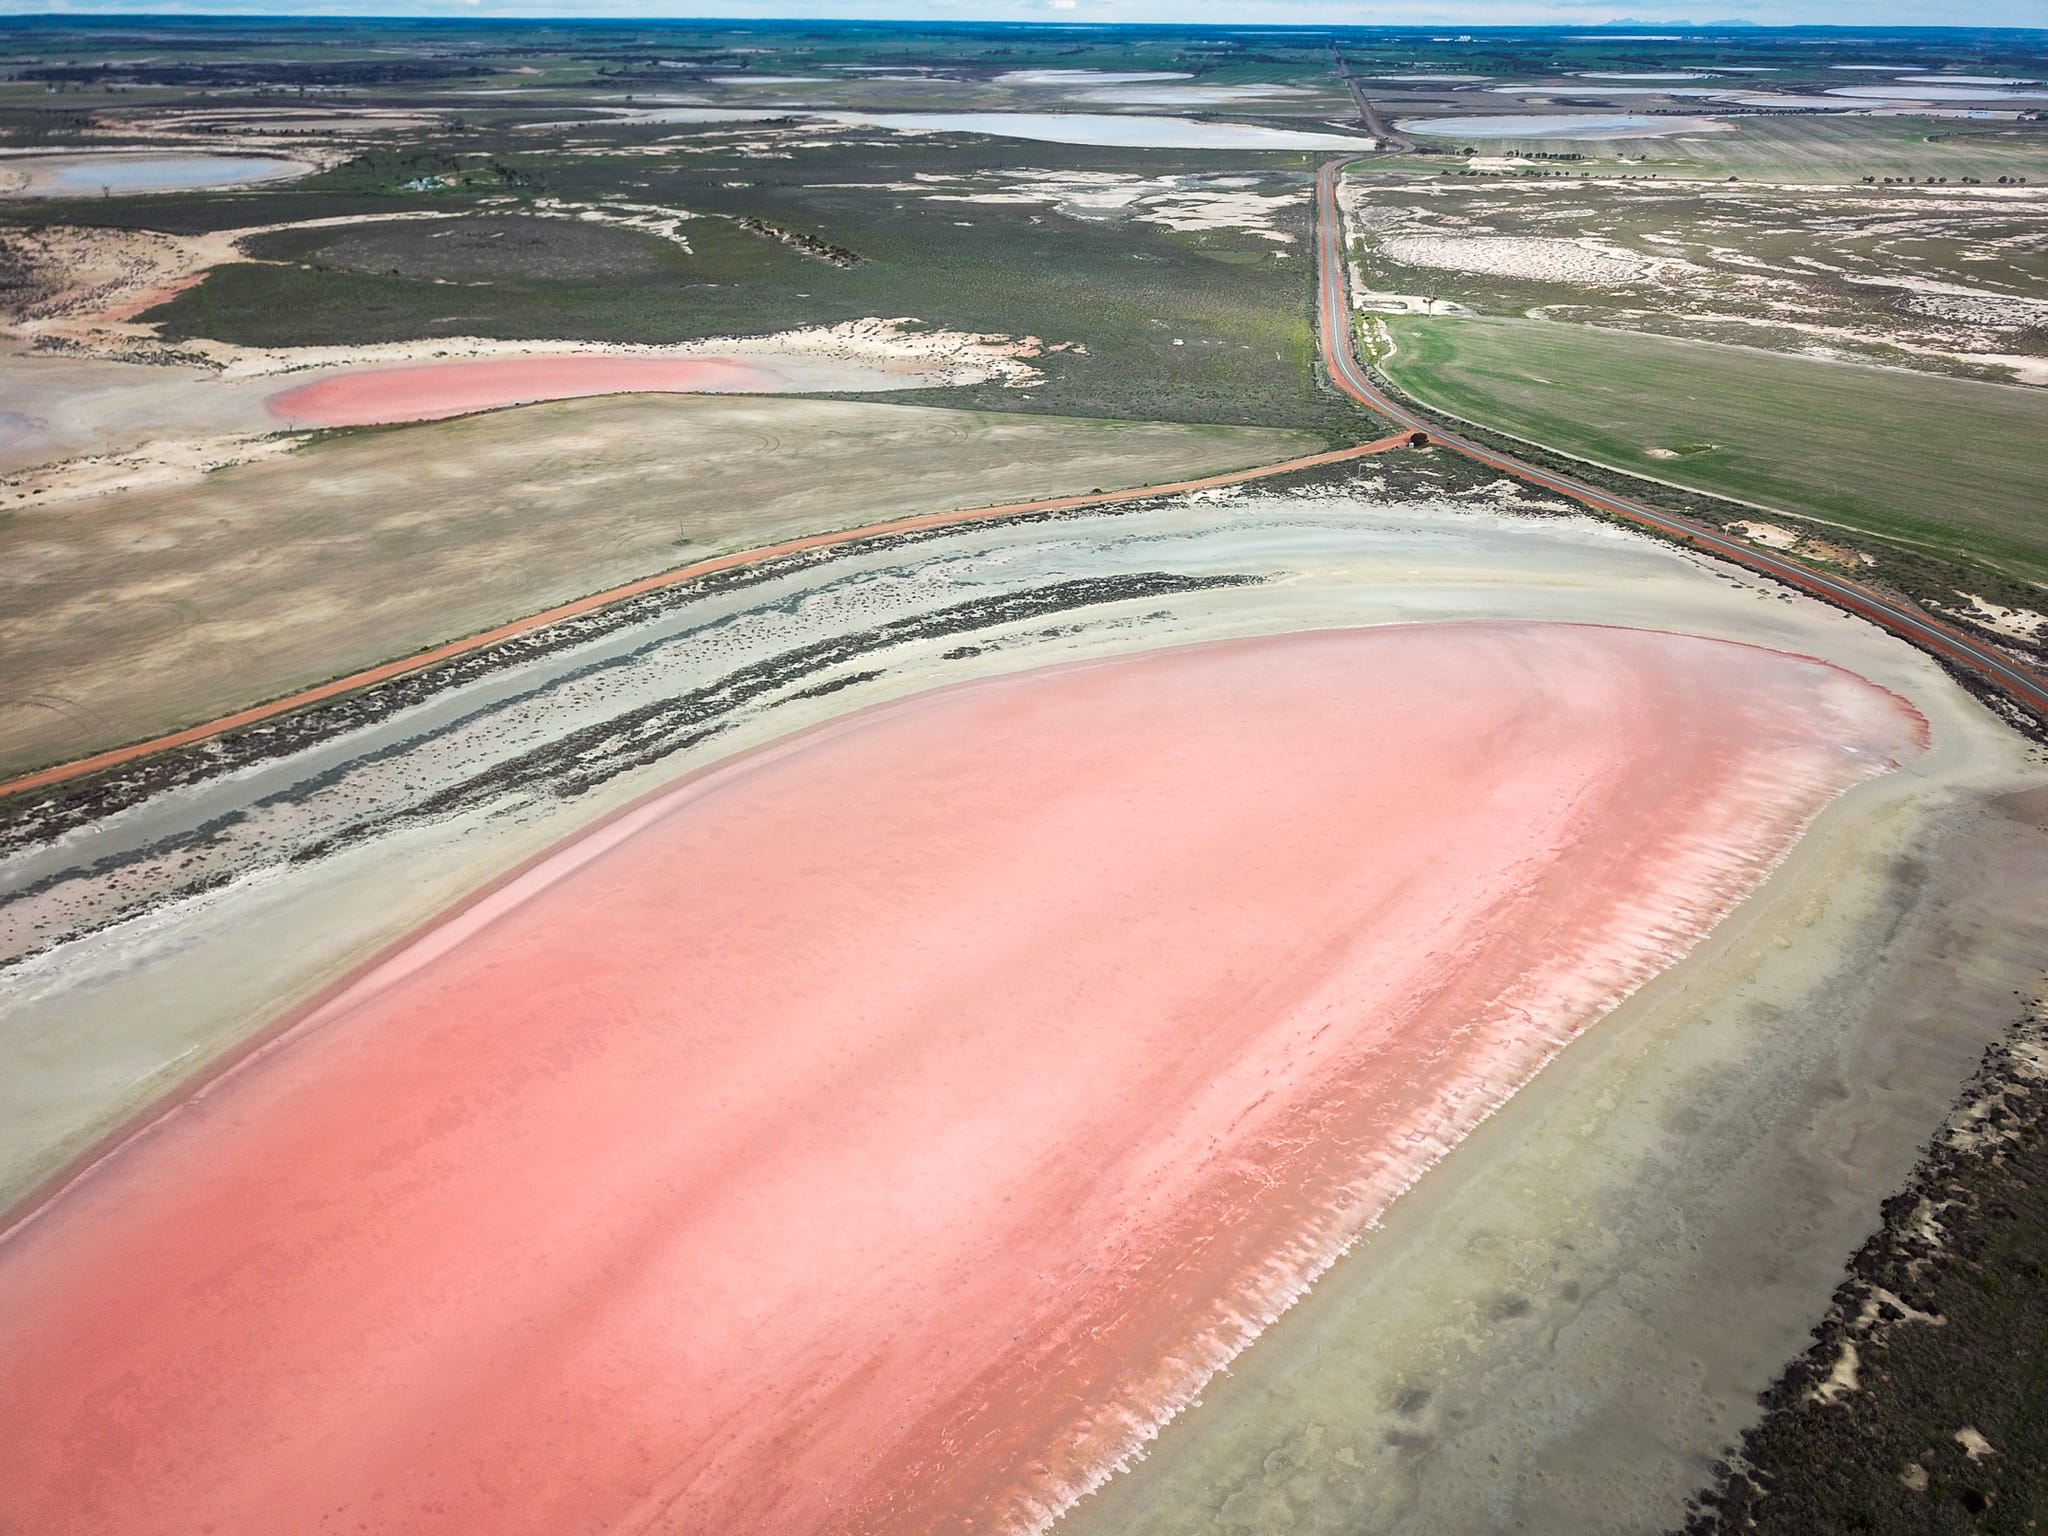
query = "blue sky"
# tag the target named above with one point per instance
(1845, 13)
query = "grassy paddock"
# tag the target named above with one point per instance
(1937, 466)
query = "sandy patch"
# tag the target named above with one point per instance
(1178, 202)
(157, 467)
(1995, 311)
(71, 276)
(85, 285)
(1770, 535)
(1373, 301)
(1534, 257)
(1974, 1445)
(2020, 623)
(1892, 270)
(656, 219)
(1777, 536)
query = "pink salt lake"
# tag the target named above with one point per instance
(431, 391)
(881, 1131)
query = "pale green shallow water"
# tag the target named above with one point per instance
(1554, 125)
(85, 175)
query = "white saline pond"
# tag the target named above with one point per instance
(1184, 95)
(1846, 101)
(766, 112)
(1088, 76)
(696, 115)
(1133, 131)
(1610, 90)
(1555, 125)
(87, 173)
(1118, 130)
(1938, 93)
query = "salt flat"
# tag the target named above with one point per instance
(186, 948)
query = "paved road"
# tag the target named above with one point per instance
(2024, 687)
(1369, 114)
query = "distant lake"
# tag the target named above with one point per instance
(1554, 125)
(1088, 76)
(1125, 132)
(1939, 93)
(85, 175)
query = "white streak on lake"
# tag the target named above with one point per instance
(1556, 125)
(1133, 131)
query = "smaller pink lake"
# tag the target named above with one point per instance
(432, 391)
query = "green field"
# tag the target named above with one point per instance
(1940, 467)
(1796, 147)
(1756, 265)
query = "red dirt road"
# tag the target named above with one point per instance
(368, 677)
(879, 1133)
(431, 391)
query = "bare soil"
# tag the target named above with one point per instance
(140, 612)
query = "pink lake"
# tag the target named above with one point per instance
(883, 1131)
(431, 391)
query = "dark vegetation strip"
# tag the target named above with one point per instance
(582, 760)
(807, 245)
(1964, 1246)
(36, 816)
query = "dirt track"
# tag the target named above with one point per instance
(1980, 661)
(371, 676)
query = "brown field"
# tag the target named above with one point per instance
(134, 614)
